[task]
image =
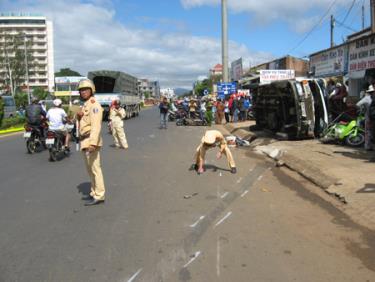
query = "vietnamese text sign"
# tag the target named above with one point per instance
(331, 62)
(267, 76)
(362, 54)
(226, 88)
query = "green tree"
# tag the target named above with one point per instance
(15, 53)
(40, 93)
(21, 99)
(147, 94)
(67, 72)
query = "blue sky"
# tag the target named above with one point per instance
(177, 41)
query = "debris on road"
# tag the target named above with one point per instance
(189, 196)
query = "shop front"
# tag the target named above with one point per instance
(330, 64)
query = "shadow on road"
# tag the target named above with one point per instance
(84, 188)
(369, 188)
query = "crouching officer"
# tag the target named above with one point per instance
(90, 121)
(211, 139)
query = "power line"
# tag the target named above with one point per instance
(314, 27)
(347, 14)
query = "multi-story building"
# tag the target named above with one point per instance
(216, 70)
(168, 92)
(38, 31)
(148, 87)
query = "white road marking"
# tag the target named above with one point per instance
(224, 218)
(196, 223)
(244, 193)
(220, 174)
(224, 195)
(135, 275)
(260, 177)
(193, 258)
(251, 169)
(218, 258)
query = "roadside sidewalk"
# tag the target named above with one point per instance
(342, 171)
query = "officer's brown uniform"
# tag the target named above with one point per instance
(116, 116)
(219, 141)
(89, 130)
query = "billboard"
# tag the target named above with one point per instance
(236, 69)
(267, 76)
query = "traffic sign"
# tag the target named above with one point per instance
(226, 88)
(205, 92)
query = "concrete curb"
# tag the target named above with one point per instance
(303, 167)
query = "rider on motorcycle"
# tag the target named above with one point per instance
(35, 115)
(57, 118)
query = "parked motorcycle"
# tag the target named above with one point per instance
(55, 143)
(34, 136)
(348, 132)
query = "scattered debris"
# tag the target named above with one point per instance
(280, 163)
(265, 190)
(189, 196)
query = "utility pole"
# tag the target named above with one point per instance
(363, 17)
(27, 73)
(224, 39)
(332, 28)
(372, 9)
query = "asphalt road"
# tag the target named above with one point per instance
(261, 224)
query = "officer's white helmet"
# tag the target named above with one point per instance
(57, 102)
(86, 83)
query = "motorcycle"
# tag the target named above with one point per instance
(349, 132)
(34, 136)
(55, 143)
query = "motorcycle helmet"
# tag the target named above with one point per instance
(57, 102)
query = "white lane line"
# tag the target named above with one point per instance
(193, 258)
(239, 180)
(244, 193)
(135, 275)
(218, 258)
(224, 218)
(196, 223)
(260, 177)
(224, 195)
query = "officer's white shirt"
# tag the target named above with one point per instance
(56, 117)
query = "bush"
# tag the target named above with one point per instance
(13, 121)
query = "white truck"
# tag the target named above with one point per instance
(115, 85)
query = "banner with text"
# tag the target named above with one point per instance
(361, 56)
(267, 76)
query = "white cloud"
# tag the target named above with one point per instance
(301, 15)
(87, 37)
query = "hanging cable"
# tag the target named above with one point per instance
(347, 14)
(314, 27)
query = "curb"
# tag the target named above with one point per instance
(11, 130)
(312, 173)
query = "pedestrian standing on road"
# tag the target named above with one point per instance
(90, 122)
(365, 104)
(226, 110)
(211, 139)
(219, 111)
(164, 108)
(116, 116)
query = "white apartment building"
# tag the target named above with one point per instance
(38, 30)
(150, 87)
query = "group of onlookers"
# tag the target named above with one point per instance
(233, 108)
